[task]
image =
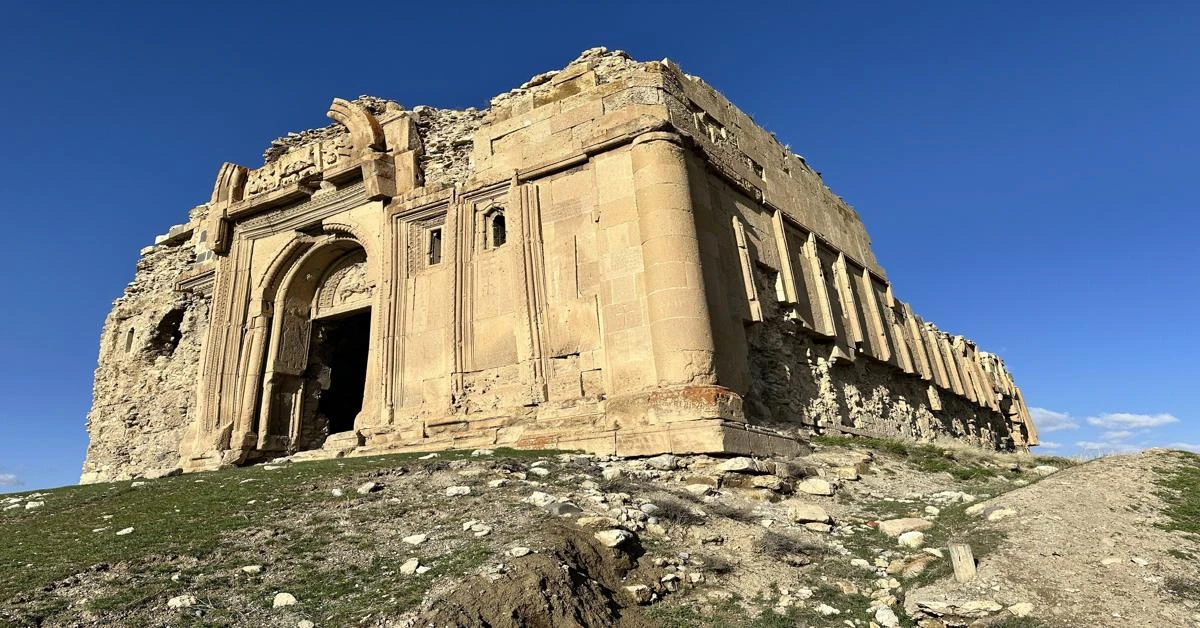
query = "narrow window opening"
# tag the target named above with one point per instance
(129, 340)
(495, 229)
(499, 230)
(435, 246)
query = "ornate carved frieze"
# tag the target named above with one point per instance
(299, 164)
(300, 215)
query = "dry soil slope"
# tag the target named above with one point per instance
(1089, 546)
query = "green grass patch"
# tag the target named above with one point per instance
(1179, 488)
(209, 520)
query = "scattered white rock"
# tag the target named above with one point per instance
(611, 473)
(415, 539)
(457, 491)
(1139, 561)
(1044, 469)
(827, 610)
(640, 593)
(564, 509)
(428, 456)
(540, 499)
(410, 566)
(541, 472)
(933, 510)
(481, 530)
(977, 606)
(1110, 561)
(497, 483)
(124, 531)
(32, 505)
(846, 473)
(306, 623)
(887, 617)
(1021, 609)
(613, 538)
(896, 527)
(1000, 513)
(252, 569)
(369, 487)
(863, 564)
(482, 452)
(742, 464)
(181, 601)
(912, 539)
(137, 484)
(699, 490)
(808, 513)
(670, 582)
(519, 551)
(815, 486)
(337, 492)
(283, 599)
(664, 462)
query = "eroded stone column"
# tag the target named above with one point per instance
(680, 327)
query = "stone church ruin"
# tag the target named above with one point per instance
(610, 258)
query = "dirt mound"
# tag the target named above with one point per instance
(1087, 546)
(577, 582)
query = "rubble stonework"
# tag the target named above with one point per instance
(610, 258)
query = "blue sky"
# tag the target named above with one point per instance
(1026, 170)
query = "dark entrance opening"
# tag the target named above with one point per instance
(345, 341)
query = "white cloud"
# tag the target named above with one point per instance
(1127, 420)
(1116, 435)
(1193, 447)
(8, 479)
(1050, 421)
(1106, 447)
(1049, 445)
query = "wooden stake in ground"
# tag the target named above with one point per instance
(963, 561)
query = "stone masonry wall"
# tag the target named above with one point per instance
(145, 385)
(829, 356)
(795, 385)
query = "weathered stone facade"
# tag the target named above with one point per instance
(611, 257)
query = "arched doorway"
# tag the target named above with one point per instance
(315, 377)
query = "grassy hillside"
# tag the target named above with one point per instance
(514, 538)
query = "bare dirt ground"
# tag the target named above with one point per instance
(1086, 547)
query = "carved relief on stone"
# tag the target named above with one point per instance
(298, 164)
(336, 151)
(346, 287)
(418, 241)
(293, 341)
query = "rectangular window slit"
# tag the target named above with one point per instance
(435, 246)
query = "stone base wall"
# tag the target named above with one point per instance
(797, 387)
